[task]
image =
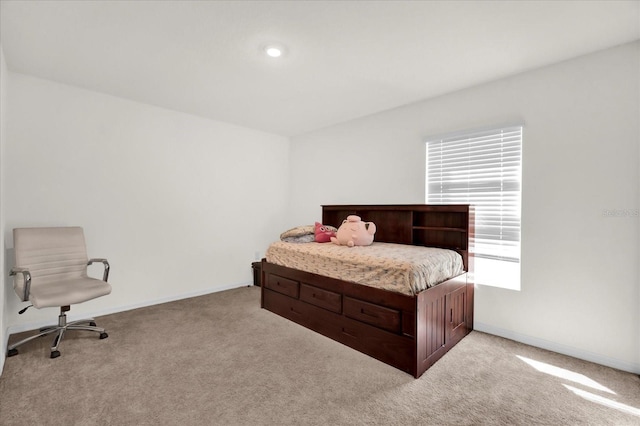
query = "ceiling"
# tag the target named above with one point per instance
(344, 59)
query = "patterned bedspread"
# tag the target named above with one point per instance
(396, 267)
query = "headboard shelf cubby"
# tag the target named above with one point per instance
(447, 226)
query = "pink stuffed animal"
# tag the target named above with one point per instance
(324, 233)
(354, 232)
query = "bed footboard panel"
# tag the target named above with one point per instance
(445, 316)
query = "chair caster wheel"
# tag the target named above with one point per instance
(55, 354)
(103, 335)
(12, 352)
(92, 324)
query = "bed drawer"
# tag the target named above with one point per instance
(385, 318)
(282, 285)
(321, 298)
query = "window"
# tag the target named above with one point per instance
(483, 168)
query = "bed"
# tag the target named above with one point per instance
(407, 327)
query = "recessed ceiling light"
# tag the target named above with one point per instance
(274, 50)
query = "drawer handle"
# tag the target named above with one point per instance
(344, 331)
(370, 314)
(295, 312)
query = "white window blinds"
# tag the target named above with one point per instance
(483, 169)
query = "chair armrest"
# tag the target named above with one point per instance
(105, 276)
(26, 275)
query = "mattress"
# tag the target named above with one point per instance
(400, 268)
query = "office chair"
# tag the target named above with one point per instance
(51, 271)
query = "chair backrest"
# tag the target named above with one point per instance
(50, 254)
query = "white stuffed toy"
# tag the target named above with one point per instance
(354, 232)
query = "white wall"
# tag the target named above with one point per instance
(3, 125)
(579, 279)
(180, 205)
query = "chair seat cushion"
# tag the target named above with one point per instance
(67, 292)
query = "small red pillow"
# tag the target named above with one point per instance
(324, 233)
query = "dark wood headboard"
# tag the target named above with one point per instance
(448, 226)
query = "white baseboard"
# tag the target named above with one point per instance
(115, 309)
(559, 348)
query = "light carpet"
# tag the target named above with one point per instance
(221, 360)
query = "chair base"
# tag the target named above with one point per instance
(59, 331)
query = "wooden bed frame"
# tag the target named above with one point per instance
(407, 332)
